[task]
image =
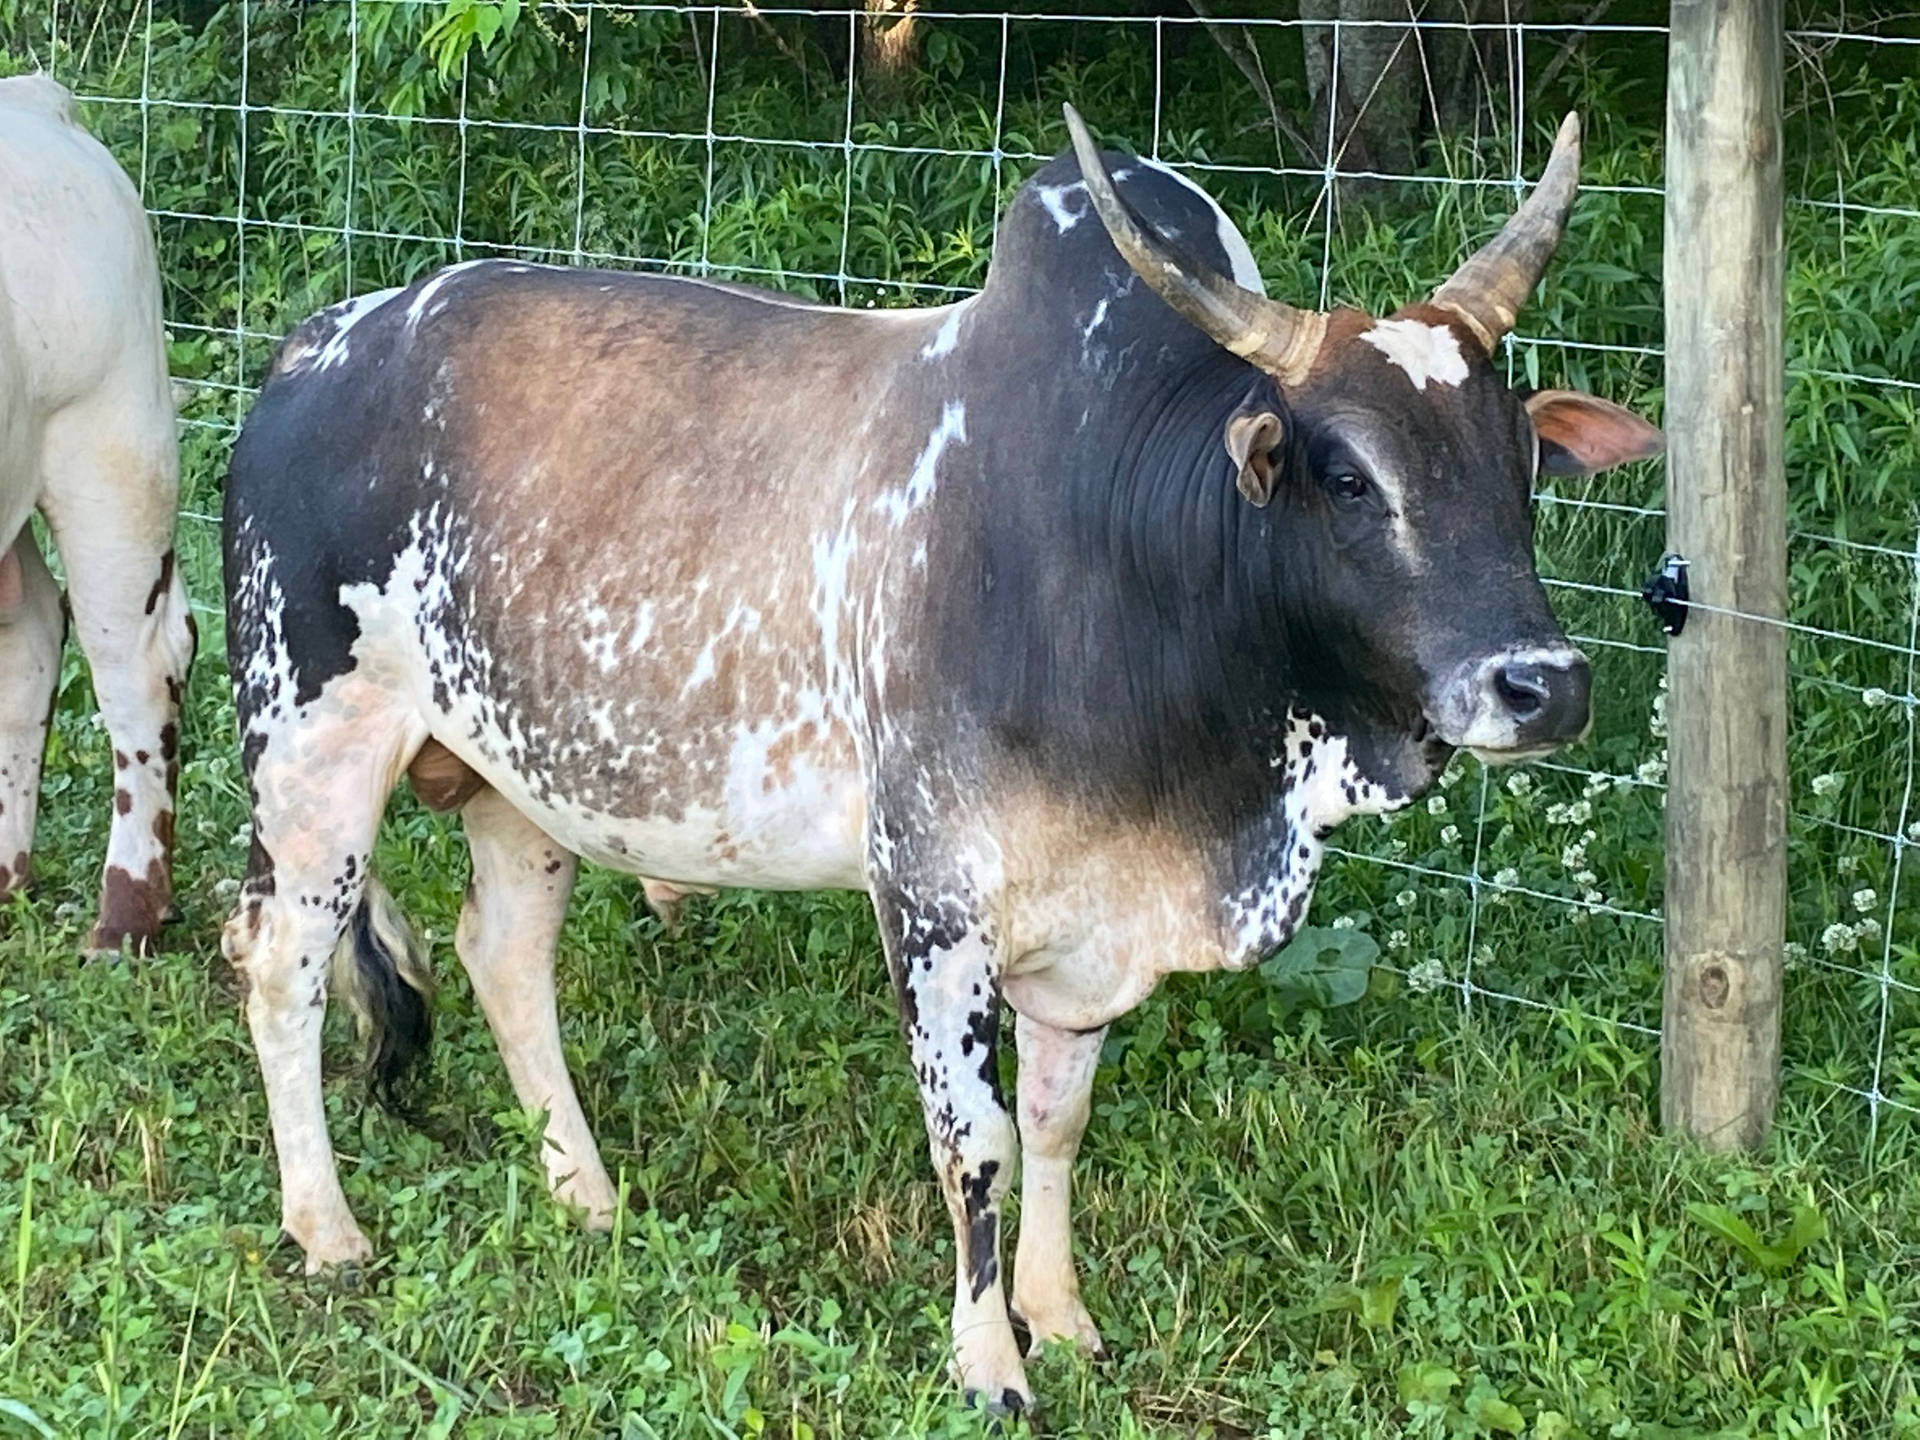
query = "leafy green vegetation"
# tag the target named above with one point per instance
(1431, 1212)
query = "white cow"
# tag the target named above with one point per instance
(87, 438)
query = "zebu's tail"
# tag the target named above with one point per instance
(379, 972)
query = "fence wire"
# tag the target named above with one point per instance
(1460, 896)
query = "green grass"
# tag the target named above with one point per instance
(1388, 1220)
(1408, 1216)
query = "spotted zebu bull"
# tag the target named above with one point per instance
(1066, 621)
(87, 437)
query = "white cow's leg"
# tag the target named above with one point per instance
(320, 781)
(947, 979)
(110, 504)
(508, 929)
(1055, 1095)
(31, 627)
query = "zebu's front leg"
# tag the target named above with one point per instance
(946, 975)
(1055, 1095)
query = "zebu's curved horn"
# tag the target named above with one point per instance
(1488, 290)
(1274, 336)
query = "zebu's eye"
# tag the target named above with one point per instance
(1347, 487)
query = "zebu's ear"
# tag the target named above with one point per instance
(1254, 439)
(1582, 433)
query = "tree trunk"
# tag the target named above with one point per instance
(1372, 118)
(1393, 77)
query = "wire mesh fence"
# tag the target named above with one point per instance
(292, 155)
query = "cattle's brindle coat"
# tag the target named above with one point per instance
(1044, 618)
(87, 438)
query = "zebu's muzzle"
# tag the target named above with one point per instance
(1517, 705)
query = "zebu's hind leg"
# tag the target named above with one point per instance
(31, 627)
(508, 928)
(109, 491)
(320, 776)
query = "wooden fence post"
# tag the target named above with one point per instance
(1726, 514)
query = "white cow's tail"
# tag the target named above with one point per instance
(379, 972)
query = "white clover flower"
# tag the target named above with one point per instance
(1593, 897)
(1519, 784)
(1580, 917)
(1865, 900)
(1450, 776)
(1653, 771)
(1557, 814)
(1913, 832)
(1824, 785)
(226, 887)
(1839, 939)
(1585, 877)
(1597, 784)
(1397, 939)
(1436, 805)
(1450, 835)
(1873, 697)
(1343, 922)
(1867, 929)
(1427, 976)
(1397, 847)
(1847, 864)
(1580, 812)
(1506, 877)
(1405, 899)
(1794, 953)
(1574, 856)
(1657, 721)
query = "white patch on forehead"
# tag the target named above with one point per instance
(1425, 352)
(898, 504)
(948, 335)
(1245, 271)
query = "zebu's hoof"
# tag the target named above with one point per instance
(336, 1255)
(1004, 1406)
(1070, 1325)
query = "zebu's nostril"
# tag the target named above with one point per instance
(1523, 689)
(1547, 697)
